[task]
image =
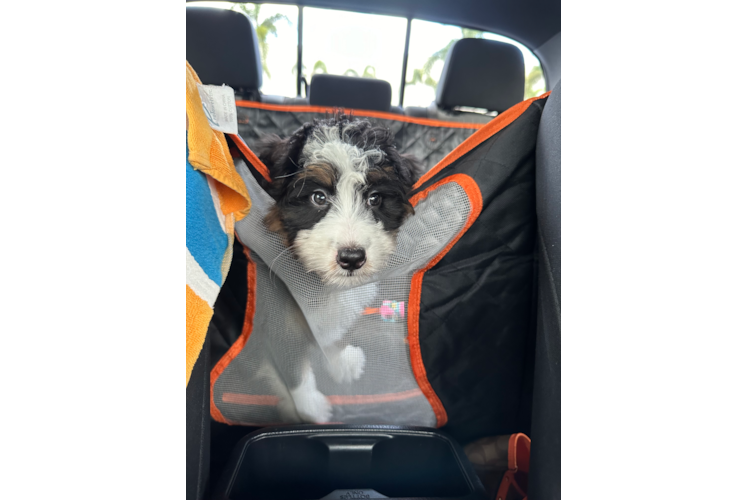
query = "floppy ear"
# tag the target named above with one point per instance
(271, 151)
(410, 169)
(281, 157)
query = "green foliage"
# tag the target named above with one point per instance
(468, 33)
(423, 74)
(369, 72)
(531, 80)
(267, 27)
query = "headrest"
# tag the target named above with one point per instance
(350, 92)
(481, 73)
(222, 48)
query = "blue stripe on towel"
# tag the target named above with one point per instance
(205, 238)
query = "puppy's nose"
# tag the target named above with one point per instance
(351, 258)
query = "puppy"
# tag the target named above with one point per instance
(341, 194)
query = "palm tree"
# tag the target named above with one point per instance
(267, 27)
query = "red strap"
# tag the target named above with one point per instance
(514, 483)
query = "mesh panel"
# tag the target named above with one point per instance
(318, 353)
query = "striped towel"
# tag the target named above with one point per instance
(216, 199)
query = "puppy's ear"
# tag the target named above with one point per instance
(281, 156)
(271, 150)
(410, 169)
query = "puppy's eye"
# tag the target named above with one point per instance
(374, 200)
(319, 198)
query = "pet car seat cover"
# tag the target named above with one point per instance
(428, 140)
(475, 306)
(297, 317)
(222, 46)
(439, 334)
(482, 74)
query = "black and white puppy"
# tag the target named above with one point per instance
(341, 190)
(341, 193)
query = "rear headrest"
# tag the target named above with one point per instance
(481, 73)
(222, 48)
(350, 92)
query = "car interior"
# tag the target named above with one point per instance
(481, 79)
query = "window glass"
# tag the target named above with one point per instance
(429, 44)
(277, 34)
(348, 43)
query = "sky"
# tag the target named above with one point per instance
(347, 40)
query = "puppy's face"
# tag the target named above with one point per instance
(341, 195)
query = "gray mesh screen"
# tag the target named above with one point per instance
(293, 368)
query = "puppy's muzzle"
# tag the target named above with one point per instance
(351, 259)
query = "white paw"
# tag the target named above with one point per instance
(348, 365)
(311, 405)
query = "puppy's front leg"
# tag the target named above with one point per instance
(346, 364)
(311, 404)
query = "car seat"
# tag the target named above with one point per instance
(478, 73)
(222, 47)
(351, 92)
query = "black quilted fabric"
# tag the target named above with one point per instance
(428, 143)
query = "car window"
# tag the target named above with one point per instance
(366, 45)
(429, 44)
(353, 44)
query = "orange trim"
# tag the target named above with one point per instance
(489, 129)
(249, 399)
(518, 462)
(237, 347)
(253, 159)
(362, 399)
(414, 300)
(521, 451)
(506, 482)
(371, 310)
(512, 456)
(358, 112)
